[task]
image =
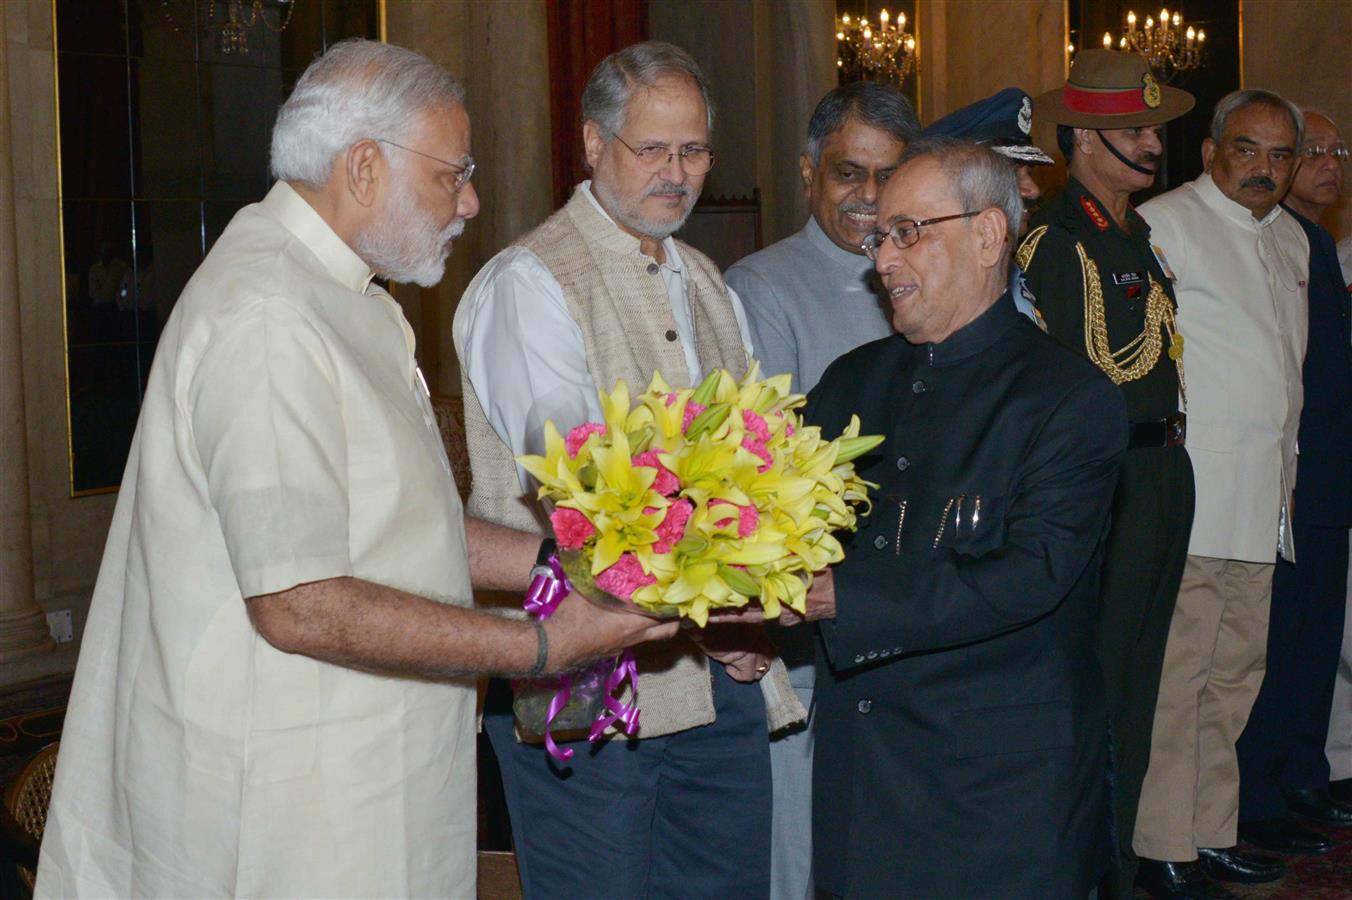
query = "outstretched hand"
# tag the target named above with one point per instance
(742, 648)
(580, 631)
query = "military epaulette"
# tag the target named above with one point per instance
(1029, 246)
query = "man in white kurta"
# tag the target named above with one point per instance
(287, 488)
(1239, 264)
(284, 438)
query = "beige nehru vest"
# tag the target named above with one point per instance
(618, 298)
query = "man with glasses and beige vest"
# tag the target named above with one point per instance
(600, 292)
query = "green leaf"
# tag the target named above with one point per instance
(705, 392)
(738, 580)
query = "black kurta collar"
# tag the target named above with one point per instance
(975, 336)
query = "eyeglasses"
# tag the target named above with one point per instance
(905, 232)
(653, 158)
(1313, 151)
(463, 171)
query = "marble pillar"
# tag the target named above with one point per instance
(23, 627)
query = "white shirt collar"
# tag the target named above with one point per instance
(297, 216)
(668, 244)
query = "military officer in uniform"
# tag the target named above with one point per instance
(1004, 122)
(962, 738)
(1105, 292)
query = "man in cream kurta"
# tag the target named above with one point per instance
(1239, 264)
(285, 439)
(266, 702)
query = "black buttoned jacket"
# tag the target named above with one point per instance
(961, 735)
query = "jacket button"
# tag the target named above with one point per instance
(652, 268)
(903, 463)
(880, 542)
(918, 386)
(864, 706)
(671, 334)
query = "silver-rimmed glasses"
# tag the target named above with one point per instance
(1313, 151)
(653, 158)
(463, 171)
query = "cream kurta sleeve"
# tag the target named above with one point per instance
(267, 425)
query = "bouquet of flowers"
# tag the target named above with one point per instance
(686, 501)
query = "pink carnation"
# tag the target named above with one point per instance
(755, 424)
(756, 446)
(748, 518)
(625, 577)
(578, 436)
(672, 528)
(666, 482)
(692, 409)
(571, 528)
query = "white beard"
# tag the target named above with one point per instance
(405, 244)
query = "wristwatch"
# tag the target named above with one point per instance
(548, 547)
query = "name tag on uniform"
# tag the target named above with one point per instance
(1121, 278)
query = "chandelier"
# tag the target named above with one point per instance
(883, 52)
(232, 34)
(1166, 45)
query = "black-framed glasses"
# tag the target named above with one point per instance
(905, 232)
(463, 171)
(653, 158)
(1313, 151)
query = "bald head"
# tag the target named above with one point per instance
(1318, 182)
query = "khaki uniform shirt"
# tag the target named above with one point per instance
(284, 438)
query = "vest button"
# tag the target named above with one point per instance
(880, 543)
(918, 386)
(864, 706)
(903, 463)
(652, 268)
(671, 334)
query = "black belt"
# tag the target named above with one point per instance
(1168, 432)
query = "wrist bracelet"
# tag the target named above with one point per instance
(541, 651)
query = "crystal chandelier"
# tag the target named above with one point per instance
(1167, 46)
(883, 52)
(232, 35)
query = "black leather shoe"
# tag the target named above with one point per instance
(1341, 790)
(1319, 806)
(1284, 835)
(1178, 881)
(1236, 865)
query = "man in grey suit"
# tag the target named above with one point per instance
(810, 298)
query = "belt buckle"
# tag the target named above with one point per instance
(1175, 430)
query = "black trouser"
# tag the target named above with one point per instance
(1142, 566)
(1282, 747)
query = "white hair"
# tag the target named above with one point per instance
(979, 177)
(358, 90)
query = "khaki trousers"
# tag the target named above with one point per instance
(1213, 667)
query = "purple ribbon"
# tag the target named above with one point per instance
(545, 594)
(626, 714)
(556, 705)
(543, 597)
